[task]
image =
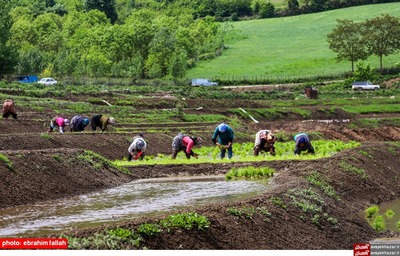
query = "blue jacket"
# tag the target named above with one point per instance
(223, 137)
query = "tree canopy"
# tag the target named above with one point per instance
(357, 41)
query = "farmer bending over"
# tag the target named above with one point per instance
(182, 142)
(302, 144)
(9, 109)
(78, 123)
(265, 141)
(58, 123)
(101, 121)
(224, 134)
(137, 148)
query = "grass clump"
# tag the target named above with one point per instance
(379, 224)
(187, 221)
(45, 136)
(149, 229)
(389, 213)
(7, 162)
(371, 211)
(250, 172)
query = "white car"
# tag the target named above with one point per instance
(47, 81)
(364, 85)
(203, 82)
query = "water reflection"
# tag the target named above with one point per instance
(117, 204)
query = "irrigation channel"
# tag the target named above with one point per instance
(131, 200)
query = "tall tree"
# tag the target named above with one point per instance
(106, 6)
(7, 52)
(382, 36)
(346, 40)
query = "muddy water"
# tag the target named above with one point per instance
(391, 221)
(125, 202)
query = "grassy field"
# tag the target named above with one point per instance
(288, 47)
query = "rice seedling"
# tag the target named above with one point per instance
(389, 213)
(316, 179)
(250, 172)
(279, 202)
(352, 169)
(371, 211)
(379, 224)
(243, 152)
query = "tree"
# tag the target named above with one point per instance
(346, 40)
(106, 6)
(293, 7)
(382, 36)
(7, 52)
(267, 10)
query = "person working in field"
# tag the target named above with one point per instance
(185, 143)
(78, 123)
(101, 121)
(9, 109)
(265, 141)
(58, 123)
(137, 148)
(223, 138)
(302, 144)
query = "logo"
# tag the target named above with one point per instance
(362, 249)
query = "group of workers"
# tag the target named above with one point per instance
(222, 137)
(78, 123)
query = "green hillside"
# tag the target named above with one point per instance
(290, 46)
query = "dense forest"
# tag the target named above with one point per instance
(125, 38)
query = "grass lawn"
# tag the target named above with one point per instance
(288, 47)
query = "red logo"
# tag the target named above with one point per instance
(362, 249)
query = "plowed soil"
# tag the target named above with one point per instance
(49, 166)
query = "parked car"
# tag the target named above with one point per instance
(364, 85)
(47, 81)
(203, 82)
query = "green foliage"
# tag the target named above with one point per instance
(371, 211)
(346, 40)
(307, 200)
(149, 229)
(250, 172)
(235, 212)
(379, 224)
(7, 162)
(278, 202)
(57, 157)
(121, 232)
(392, 151)
(123, 238)
(352, 169)
(389, 213)
(316, 179)
(46, 136)
(295, 62)
(187, 221)
(113, 240)
(365, 153)
(364, 72)
(99, 162)
(382, 36)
